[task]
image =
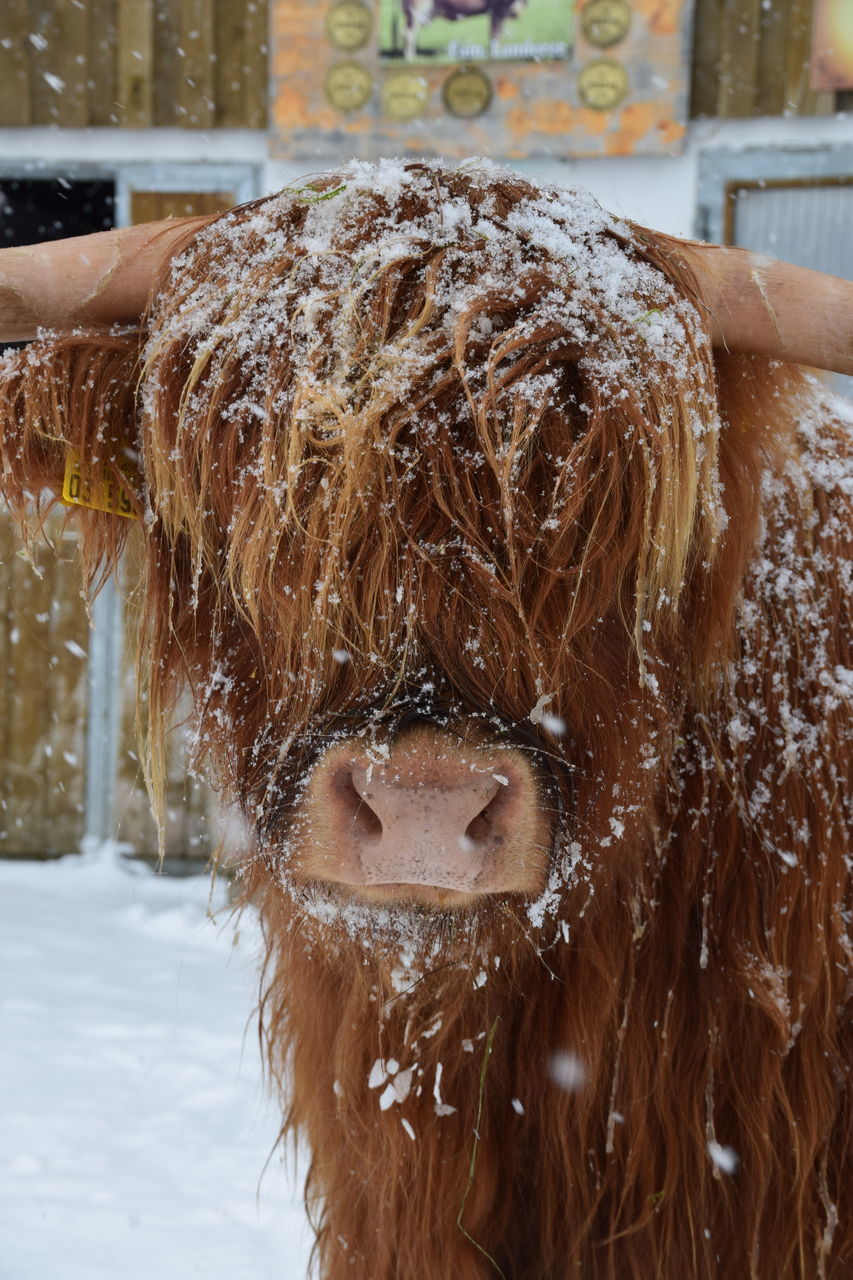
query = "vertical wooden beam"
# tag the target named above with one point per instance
(770, 87)
(242, 63)
(168, 63)
(103, 58)
(231, 63)
(42, 49)
(43, 690)
(196, 82)
(704, 69)
(738, 58)
(59, 49)
(27, 674)
(71, 61)
(135, 62)
(65, 690)
(15, 105)
(257, 85)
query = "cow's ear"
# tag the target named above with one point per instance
(69, 433)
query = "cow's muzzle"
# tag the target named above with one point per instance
(428, 818)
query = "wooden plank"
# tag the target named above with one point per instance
(25, 676)
(168, 64)
(231, 64)
(196, 106)
(59, 51)
(65, 697)
(103, 47)
(135, 62)
(15, 106)
(42, 42)
(770, 86)
(242, 74)
(150, 206)
(705, 76)
(70, 62)
(738, 58)
(257, 76)
(24, 762)
(43, 692)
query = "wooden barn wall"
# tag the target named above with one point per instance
(44, 646)
(751, 58)
(44, 640)
(134, 63)
(204, 63)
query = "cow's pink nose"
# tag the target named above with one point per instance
(430, 815)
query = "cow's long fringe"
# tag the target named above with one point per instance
(469, 505)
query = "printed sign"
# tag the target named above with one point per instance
(454, 78)
(475, 30)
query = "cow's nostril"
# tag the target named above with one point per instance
(483, 826)
(365, 821)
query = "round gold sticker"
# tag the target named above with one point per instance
(404, 95)
(605, 22)
(602, 84)
(348, 86)
(348, 24)
(467, 93)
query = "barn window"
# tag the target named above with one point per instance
(35, 209)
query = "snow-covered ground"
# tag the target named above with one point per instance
(134, 1127)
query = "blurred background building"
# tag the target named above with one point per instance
(731, 120)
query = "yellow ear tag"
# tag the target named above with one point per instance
(96, 490)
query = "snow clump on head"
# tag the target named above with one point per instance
(328, 316)
(313, 255)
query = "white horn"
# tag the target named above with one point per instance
(96, 280)
(764, 307)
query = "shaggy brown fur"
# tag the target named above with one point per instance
(488, 474)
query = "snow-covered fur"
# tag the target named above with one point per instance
(434, 443)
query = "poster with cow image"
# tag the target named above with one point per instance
(453, 31)
(455, 78)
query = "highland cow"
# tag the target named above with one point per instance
(420, 13)
(517, 625)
